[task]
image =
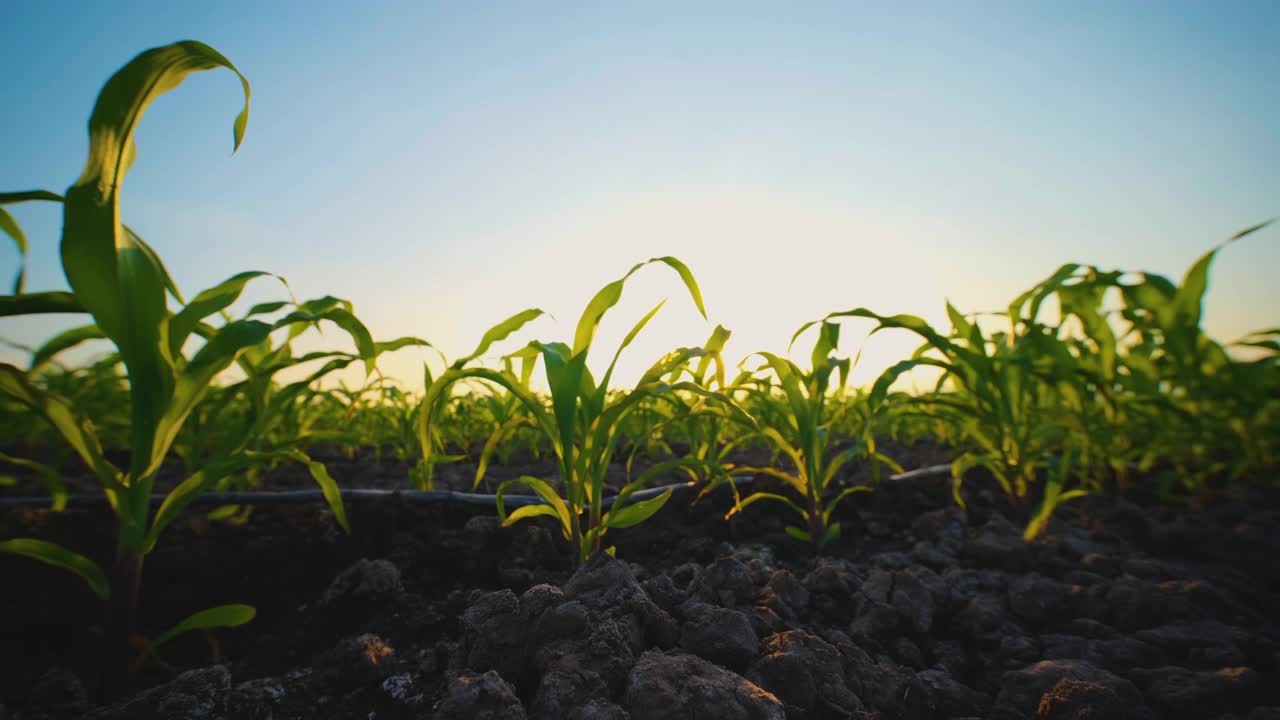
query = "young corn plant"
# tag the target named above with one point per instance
(709, 431)
(582, 424)
(431, 435)
(120, 281)
(997, 389)
(803, 435)
(1214, 415)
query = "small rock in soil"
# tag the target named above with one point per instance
(1188, 694)
(721, 635)
(1039, 599)
(663, 685)
(355, 662)
(664, 593)
(952, 657)
(1101, 564)
(576, 671)
(1205, 644)
(907, 654)
(983, 614)
(193, 695)
(806, 673)
(608, 587)
(366, 579)
(967, 583)
(1080, 700)
(493, 634)
(562, 694)
(60, 691)
(1022, 690)
(538, 599)
(831, 576)
(944, 529)
(998, 544)
(876, 621)
(1072, 542)
(786, 596)
(726, 582)
(253, 700)
(913, 600)
(479, 697)
(946, 696)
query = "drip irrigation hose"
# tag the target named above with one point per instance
(298, 497)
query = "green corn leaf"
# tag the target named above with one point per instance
(57, 490)
(798, 534)
(524, 512)
(880, 390)
(60, 557)
(1038, 294)
(267, 308)
(11, 228)
(714, 346)
(500, 332)
(115, 275)
(543, 490)
(565, 377)
(207, 303)
(41, 303)
(831, 506)
(828, 341)
(194, 380)
(343, 318)
(635, 513)
(222, 616)
(153, 259)
(10, 198)
(763, 496)
(437, 393)
(399, 343)
(654, 471)
(499, 434)
(834, 466)
(832, 533)
(790, 378)
(610, 294)
(181, 496)
(77, 432)
(630, 337)
(63, 341)
(332, 495)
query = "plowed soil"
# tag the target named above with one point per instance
(922, 609)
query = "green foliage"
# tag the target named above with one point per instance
(582, 424)
(801, 432)
(119, 280)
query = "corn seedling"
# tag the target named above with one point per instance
(582, 424)
(803, 435)
(121, 282)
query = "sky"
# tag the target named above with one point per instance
(444, 166)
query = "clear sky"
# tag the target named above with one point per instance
(445, 165)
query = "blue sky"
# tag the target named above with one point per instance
(444, 166)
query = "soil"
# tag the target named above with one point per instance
(922, 609)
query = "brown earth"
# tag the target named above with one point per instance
(921, 610)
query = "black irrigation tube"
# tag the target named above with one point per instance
(298, 497)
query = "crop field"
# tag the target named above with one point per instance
(1076, 511)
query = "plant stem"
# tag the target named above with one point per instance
(122, 608)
